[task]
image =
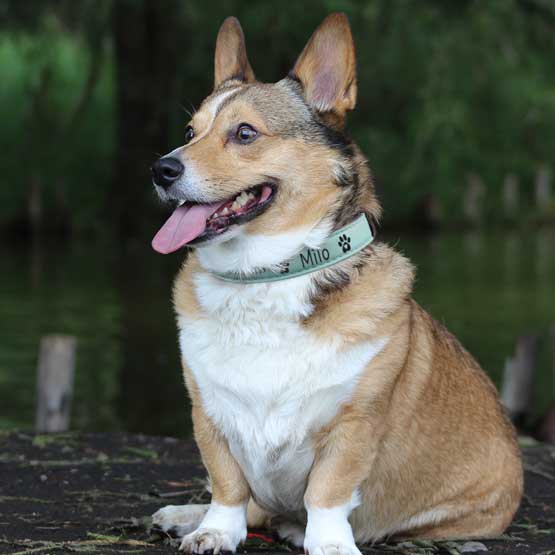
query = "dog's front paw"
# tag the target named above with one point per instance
(328, 532)
(223, 528)
(331, 549)
(209, 539)
(179, 520)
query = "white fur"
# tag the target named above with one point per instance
(328, 531)
(426, 518)
(222, 529)
(213, 106)
(179, 520)
(266, 382)
(244, 253)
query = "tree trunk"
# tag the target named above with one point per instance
(146, 44)
(474, 199)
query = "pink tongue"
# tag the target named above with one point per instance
(186, 223)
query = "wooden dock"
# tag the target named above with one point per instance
(94, 493)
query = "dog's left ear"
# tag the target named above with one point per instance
(326, 67)
(231, 60)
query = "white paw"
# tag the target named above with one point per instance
(332, 549)
(328, 531)
(291, 532)
(179, 520)
(209, 539)
(223, 528)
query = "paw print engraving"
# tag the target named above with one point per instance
(345, 243)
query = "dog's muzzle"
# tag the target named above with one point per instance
(166, 170)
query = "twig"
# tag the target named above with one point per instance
(538, 472)
(172, 493)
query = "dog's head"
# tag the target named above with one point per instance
(266, 168)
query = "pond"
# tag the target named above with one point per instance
(486, 287)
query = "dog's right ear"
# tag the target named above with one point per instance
(231, 60)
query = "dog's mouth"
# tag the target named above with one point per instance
(192, 223)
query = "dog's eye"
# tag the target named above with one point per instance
(189, 134)
(245, 133)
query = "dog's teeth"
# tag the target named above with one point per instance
(225, 211)
(235, 205)
(241, 200)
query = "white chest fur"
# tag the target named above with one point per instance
(267, 382)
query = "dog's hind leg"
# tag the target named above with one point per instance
(179, 520)
(292, 532)
(287, 529)
(256, 516)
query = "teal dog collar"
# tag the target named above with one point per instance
(342, 244)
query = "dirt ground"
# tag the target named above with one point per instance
(93, 493)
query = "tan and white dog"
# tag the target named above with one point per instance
(329, 406)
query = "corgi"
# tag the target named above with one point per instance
(326, 403)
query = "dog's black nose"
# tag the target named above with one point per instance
(166, 170)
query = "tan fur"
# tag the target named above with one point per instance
(184, 298)
(301, 169)
(424, 431)
(422, 390)
(231, 60)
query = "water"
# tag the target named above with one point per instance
(486, 287)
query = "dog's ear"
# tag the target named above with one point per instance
(326, 67)
(231, 60)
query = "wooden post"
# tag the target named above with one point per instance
(56, 369)
(516, 390)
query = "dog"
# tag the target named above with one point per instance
(326, 403)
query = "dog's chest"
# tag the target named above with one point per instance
(267, 382)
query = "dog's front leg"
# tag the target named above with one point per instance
(343, 462)
(225, 524)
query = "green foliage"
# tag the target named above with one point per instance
(445, 89)
(44, 140)
(455, 88)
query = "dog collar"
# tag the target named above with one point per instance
(340, 245)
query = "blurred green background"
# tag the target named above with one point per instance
(456, 114)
